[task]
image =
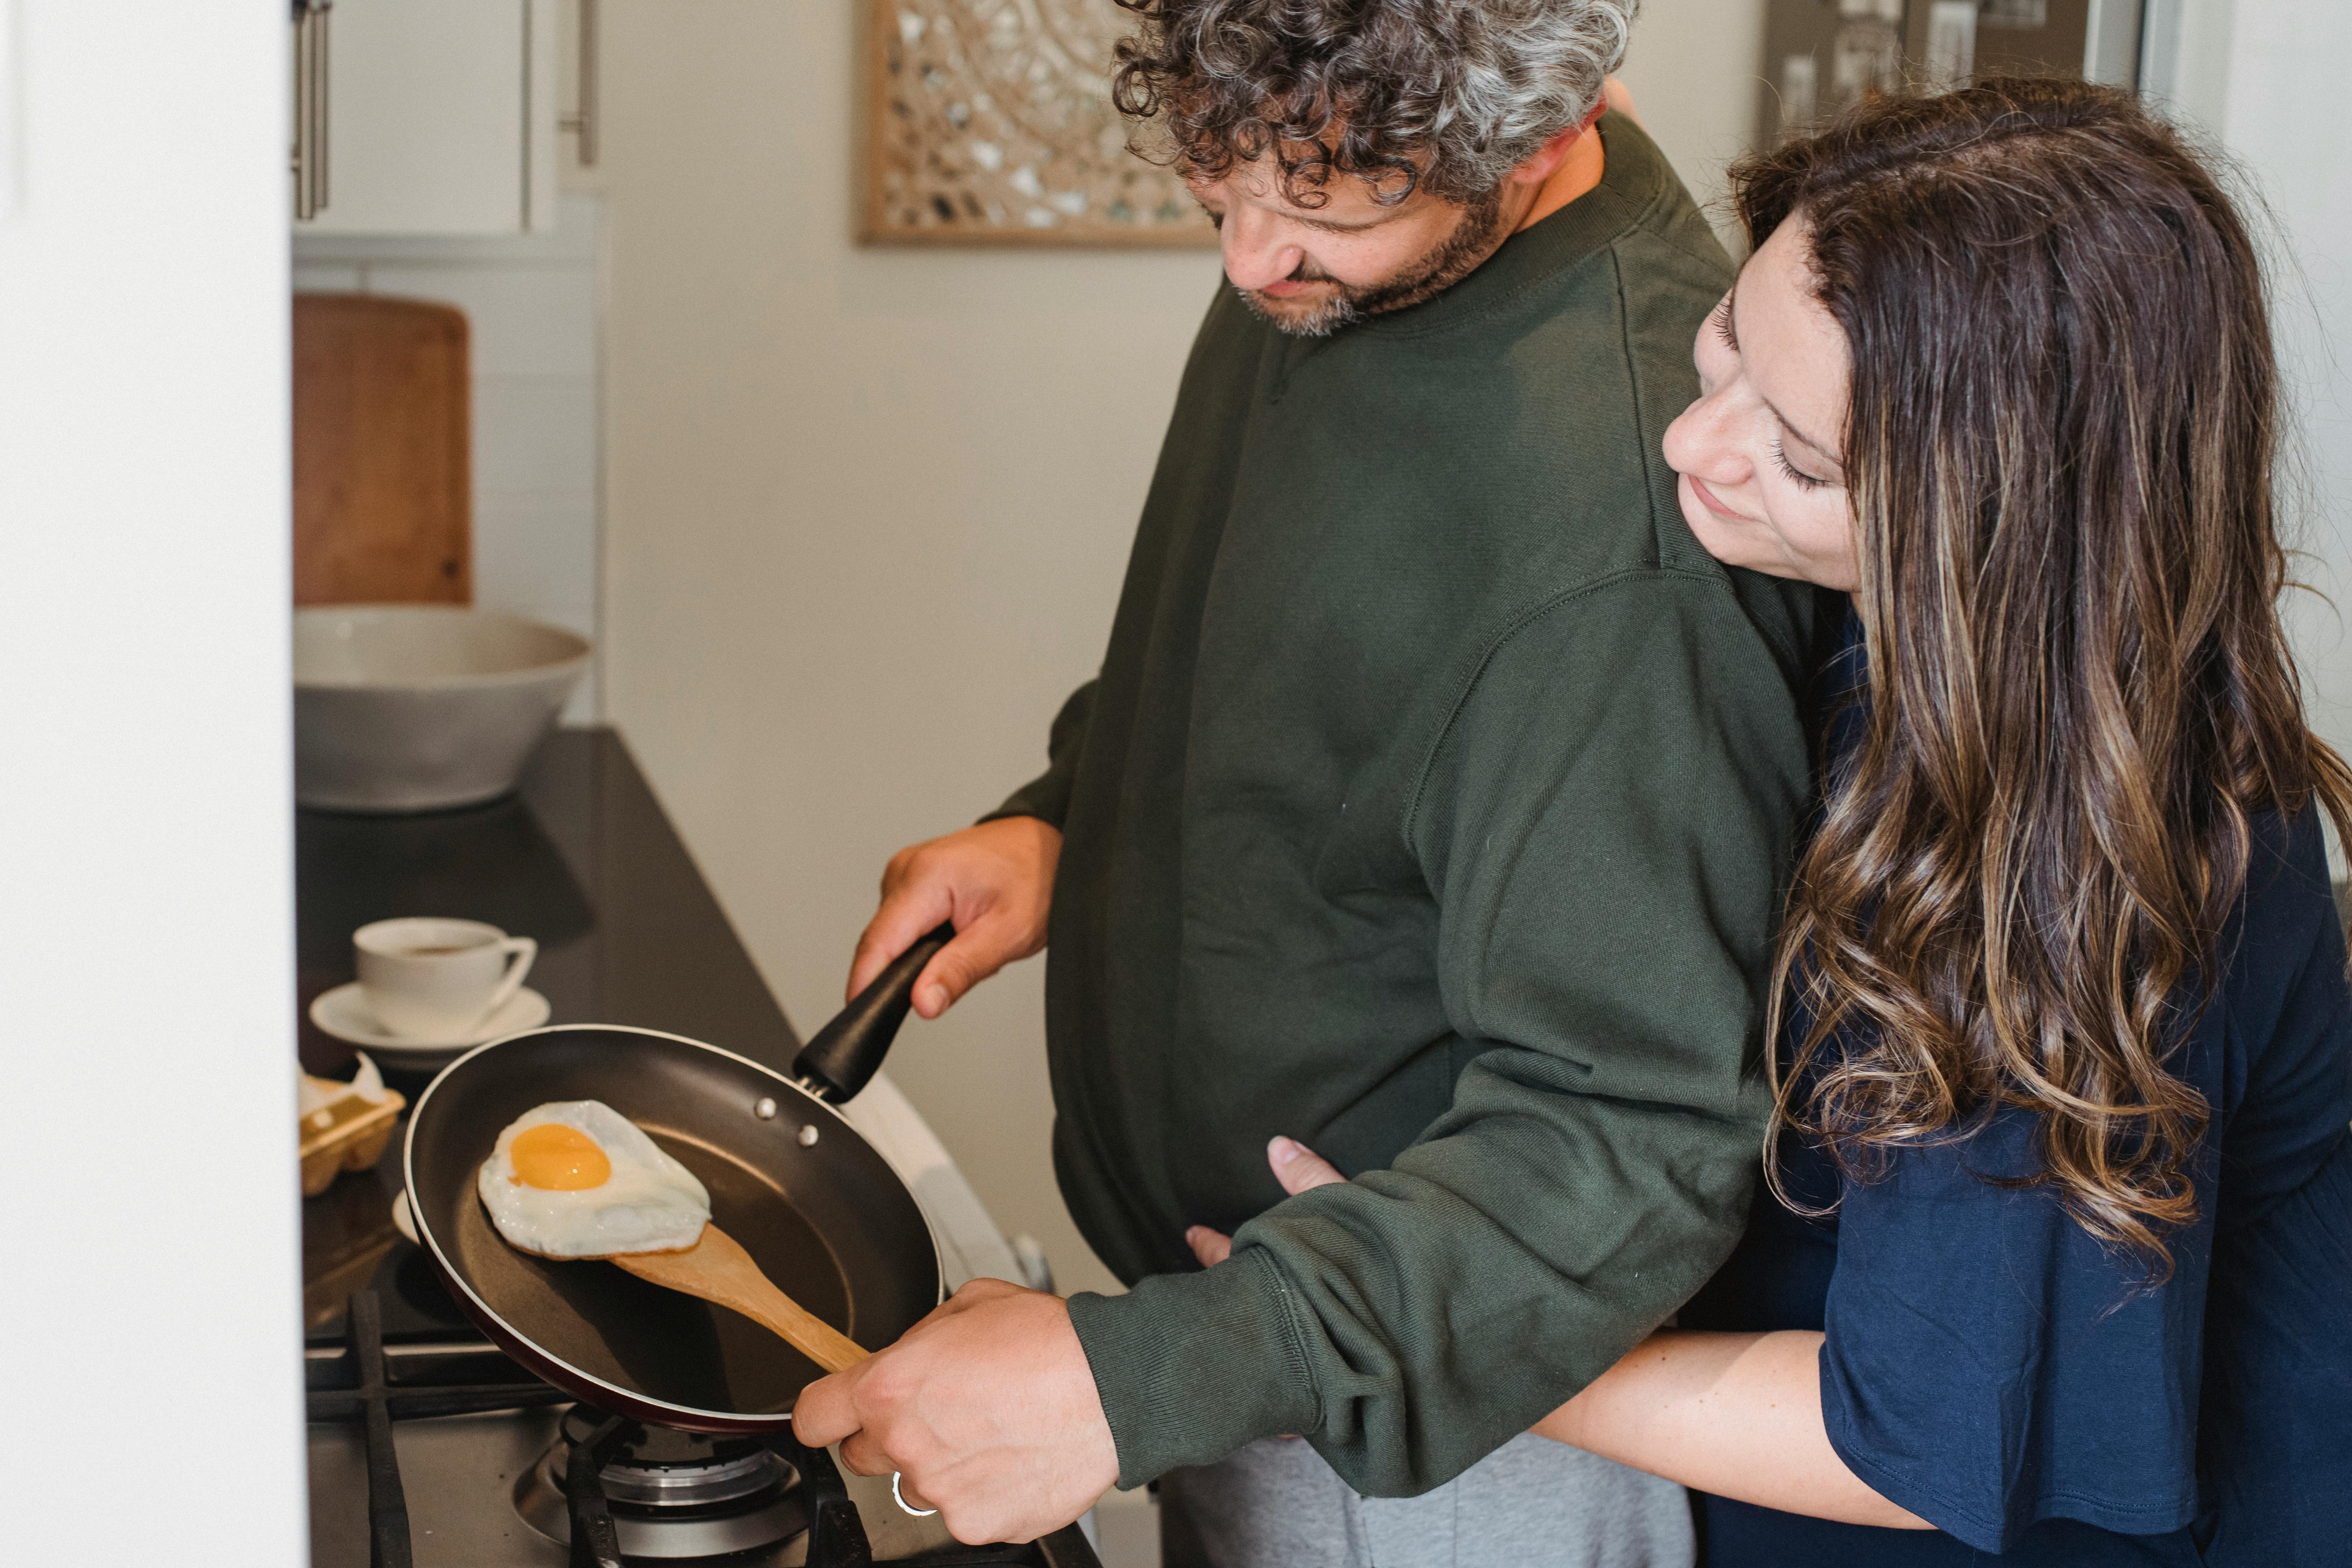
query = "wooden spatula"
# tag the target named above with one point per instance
(717, 1268)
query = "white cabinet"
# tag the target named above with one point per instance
(426, 117)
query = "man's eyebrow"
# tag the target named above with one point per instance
(1731, 331)
(1322, 223)
(1304, 215)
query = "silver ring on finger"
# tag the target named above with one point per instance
(900, 1499)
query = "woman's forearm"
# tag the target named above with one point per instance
(1736, 1415)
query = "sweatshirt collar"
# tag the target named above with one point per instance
(1633, 180)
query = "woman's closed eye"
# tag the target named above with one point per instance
(1802, 480)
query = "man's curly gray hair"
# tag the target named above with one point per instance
(1444, 95)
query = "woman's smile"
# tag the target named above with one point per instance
(1707, 499)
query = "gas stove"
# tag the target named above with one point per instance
(428, 1448)
(444, 1452)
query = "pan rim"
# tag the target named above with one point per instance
(450, 1272)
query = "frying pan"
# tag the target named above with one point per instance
(822, 1212)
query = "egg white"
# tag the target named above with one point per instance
(649, 1204)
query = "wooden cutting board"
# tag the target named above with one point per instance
(382, 452)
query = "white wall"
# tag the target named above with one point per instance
(2282, 114)
(1692, 73)
(147, 1128)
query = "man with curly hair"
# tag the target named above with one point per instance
(1430, 808)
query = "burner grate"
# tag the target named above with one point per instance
(476, 1381)
(378, 1402)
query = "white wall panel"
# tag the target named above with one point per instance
(147, 1124)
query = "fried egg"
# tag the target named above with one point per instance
(574, 1178)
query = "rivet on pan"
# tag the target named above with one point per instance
(808, 1136)
(765, 1110)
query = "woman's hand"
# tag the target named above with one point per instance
(1736, 1415)
(1296, 1166)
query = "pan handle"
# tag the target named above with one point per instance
(848, 1052)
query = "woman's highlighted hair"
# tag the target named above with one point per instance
(2064, 422)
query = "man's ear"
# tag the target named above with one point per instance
(1619, 97)
(1546, 160)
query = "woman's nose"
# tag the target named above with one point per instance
(1700, 443)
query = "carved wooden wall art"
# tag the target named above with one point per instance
(990, 122)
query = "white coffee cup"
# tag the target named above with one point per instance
(438, 979)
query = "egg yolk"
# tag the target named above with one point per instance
(558, 1159)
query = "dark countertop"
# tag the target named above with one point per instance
(581, 859)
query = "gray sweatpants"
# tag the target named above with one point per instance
(1532, 1503)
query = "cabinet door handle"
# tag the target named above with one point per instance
(311, 88)
(301, 151)
(581, 122)
(322, 158)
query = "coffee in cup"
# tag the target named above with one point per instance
(428, 979)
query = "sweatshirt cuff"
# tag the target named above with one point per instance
(1193, 1366)
(1047, 799)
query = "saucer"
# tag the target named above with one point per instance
(344, 1014)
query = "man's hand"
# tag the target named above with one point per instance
(995, 882)
(1296, 1166)
(987, 1411)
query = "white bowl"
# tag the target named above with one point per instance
(421, 707)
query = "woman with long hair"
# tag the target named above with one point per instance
(2056, 1258)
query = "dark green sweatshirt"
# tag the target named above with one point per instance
(1431, 808)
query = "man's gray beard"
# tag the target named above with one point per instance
(1473, 240)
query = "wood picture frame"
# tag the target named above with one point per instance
(990, 123)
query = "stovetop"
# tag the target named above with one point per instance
(431, 1455)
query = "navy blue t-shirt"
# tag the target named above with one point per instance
(1994, 1369)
